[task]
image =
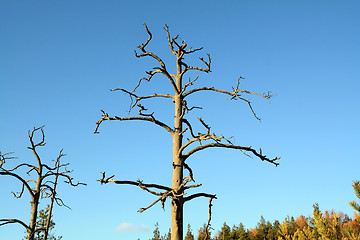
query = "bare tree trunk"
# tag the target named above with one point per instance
(33, 217)
(36, 196)
(48, 221)
(177, 201)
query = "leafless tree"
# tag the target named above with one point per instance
(182, 150)
(42, 185)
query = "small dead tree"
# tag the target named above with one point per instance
(42, 185)
(194, 143)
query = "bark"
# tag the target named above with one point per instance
(177, 201)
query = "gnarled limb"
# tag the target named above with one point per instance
(158, 70)
(196, 195)
(8, 221)
(208, 223)
(191, 175)
(148, 119)
(145, 186)
(146, 53)
(207, 63)
(22, 180)
(138, 99)
(236, 94)
(4, 157)
(222, 145)
(32, 167)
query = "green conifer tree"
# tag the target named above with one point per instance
(329, 227)
(41, 226)
(225, 232)
(202, 233)
(238, 232)
(167, 236)
(189, 235)
(353, 204)
(156, 232)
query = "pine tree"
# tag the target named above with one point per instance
(328, 225)
(41, 226)
(353, 204)
(225, 232)
(189, 235)
(265, 230)
(156, 232)
(202, 233)
(351, 228)
(285, 230)
(238, 232)
(167, 236)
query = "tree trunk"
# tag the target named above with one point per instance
(177, 201)
(48, 220)
(34, 210)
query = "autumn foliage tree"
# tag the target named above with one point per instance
(182, 128)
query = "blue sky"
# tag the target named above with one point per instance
(58, 60)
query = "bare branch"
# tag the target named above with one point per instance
(105, 117)
(201, 136)
(144, 186)
(184, 120)
(146, 53)
(190, 83)
(248, 149)
(27, 165)
(208, 223)
(190, 171)
(152, 73)
(207, 63)
(138, 183)
(4, 157)
(21, 192)
(8, 221)
(31, 137)
(196, 195)
(236, 94)
(142, 108)
(61, 203)
(138, 99)
(162, 199)
(170, 40)
(24, 182)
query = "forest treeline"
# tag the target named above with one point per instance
(327, 225)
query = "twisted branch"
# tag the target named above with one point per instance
(106, 117)
(8, 221)
(248, 149)
(132, 95)
(144, 186)
(236, 94)
(158, 70)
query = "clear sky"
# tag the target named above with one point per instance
(58, 60)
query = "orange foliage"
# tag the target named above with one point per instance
(301, 221)
(252, 232)
(354, 224)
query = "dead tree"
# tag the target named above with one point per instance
(42, 185)
(194, 143)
